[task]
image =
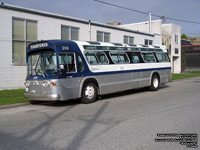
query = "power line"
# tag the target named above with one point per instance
(145, 13)
(190, 26)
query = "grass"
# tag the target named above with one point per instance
(12, 96)
(17, 96)
(185, 75)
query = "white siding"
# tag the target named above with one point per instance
(48, 28)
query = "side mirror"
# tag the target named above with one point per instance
(62, 67)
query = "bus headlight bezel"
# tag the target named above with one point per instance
(46, 84)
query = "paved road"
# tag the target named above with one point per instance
(123, 121)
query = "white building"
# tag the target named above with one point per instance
(21, 26)
(170, 37)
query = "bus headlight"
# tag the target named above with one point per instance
(46, 84)
(27, 83)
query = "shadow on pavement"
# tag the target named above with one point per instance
(73, 102)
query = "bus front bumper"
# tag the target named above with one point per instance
(42, 97)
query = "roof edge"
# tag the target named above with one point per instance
(53, 15)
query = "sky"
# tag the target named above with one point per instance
(91, 10)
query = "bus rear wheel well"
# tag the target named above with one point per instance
(155, 73)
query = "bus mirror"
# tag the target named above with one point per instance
(62, 67)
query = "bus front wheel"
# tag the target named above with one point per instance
(155, 83)
(89, 94)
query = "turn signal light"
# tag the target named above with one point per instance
(53, 83)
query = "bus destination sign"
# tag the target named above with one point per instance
(39, 45)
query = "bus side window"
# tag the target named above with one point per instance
(102, 58)
(91, 57)
(135, 58)
(148, 57)
(67, 62)
(80, 64)
(162, 57)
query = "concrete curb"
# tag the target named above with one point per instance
(14, 105)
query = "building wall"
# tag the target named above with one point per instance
(170, 31)
(12, 76)
(166, 33)
(144, 26)
(194, 40)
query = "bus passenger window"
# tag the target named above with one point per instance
(67, 62)
(135, 59)
(80, 64)
(119, 57)
(91, 57)
(148, 57)
(162, 57)
(96, 57)
(102, 57)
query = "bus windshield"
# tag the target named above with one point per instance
(42, 64)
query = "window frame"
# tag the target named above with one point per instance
(75, 61)
(70, 32)
(162, 61)
(118, 57)
(96, 57)
(149, 53)
(130, 54)
(25, 20)
(128, 38)
(103, 36)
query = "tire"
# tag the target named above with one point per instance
(89, 93)
(155, 83)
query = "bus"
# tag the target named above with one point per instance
(59, 70)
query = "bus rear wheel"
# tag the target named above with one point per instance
(155, 83)
(89, 94)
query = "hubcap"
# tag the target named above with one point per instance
(155, 82)
(89, 92)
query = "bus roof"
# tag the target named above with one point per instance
(55, 44)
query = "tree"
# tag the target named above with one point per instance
(184, 36)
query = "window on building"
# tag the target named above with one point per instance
(176, 39)
(128, 39)
(148, 42)
(24, 32)
(176, 50)
(69, 33)
(103, 36)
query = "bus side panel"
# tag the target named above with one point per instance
(69, 88)
(119, 82)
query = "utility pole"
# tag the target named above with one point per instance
(150, 21)
(89, 30)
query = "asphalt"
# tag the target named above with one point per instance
(123, 121)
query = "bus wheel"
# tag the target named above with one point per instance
(155, 83)
(89, 94)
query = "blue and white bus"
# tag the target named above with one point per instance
(60, 70)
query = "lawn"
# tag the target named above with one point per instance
(185, 75)
(12, 96)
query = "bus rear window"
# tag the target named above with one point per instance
(162, 57)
